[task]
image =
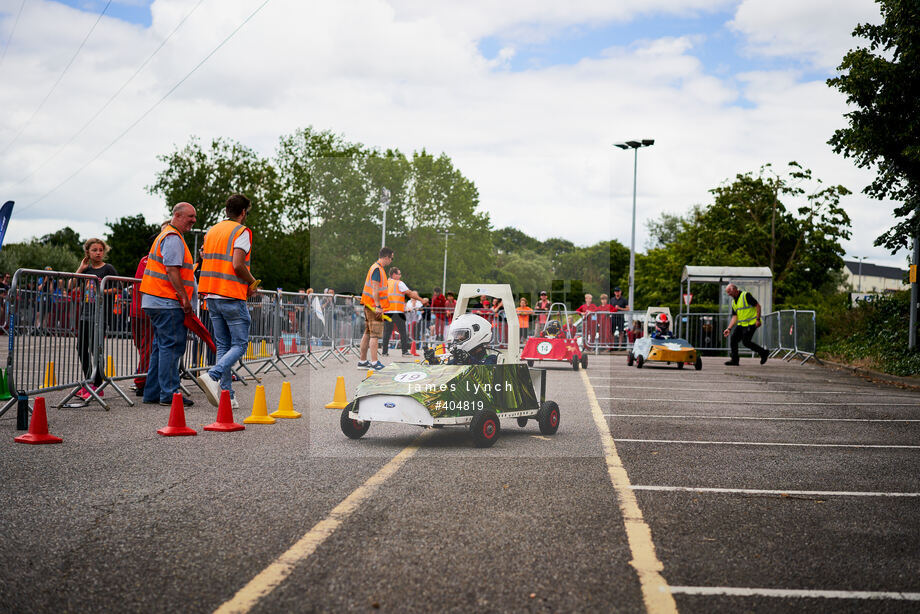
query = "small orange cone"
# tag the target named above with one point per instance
(225, 421)
(259, 413)
(286, 404)
(176, 426)
(339, 400)
(413, 350)
(38, 426)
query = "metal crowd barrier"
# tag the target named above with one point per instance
(788, 334)
(794, 334)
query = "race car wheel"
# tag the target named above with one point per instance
(680, 365)
(629, 359)
(529, 363)
(548, 418)
(698, 365)
(639, 362)
(522, 422)
(485, 429)
(575, 363)
(353, 429)
(584, 361)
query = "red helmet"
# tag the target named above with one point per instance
(662, 318)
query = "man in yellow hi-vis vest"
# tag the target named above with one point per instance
(744, 323)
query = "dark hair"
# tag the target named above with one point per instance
(236, 204)
(437, 290)
(385, 252)
(393, 271)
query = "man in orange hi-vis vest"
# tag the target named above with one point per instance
(397, 291)
(375, 299)
(168, 286)
(226, 282)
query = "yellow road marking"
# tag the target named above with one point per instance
(655, 590)
(282, 567)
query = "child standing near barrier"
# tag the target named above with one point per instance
(93, 263)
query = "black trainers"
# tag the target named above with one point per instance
(186, 402)
(364, 365)
(731, 363)
(764, 356)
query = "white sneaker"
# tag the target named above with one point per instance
(211, 388)
(234, 404)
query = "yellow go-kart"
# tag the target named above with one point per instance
(662, 348)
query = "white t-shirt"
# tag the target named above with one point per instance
(402, 287)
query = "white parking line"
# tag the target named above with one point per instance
(705, 417)
(758, 491)
(784, 593)
(735, 402)
(874, 393)
(768, 443)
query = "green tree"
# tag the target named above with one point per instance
(881, 82)
(37, 255)
(129, 238)
(66, 237)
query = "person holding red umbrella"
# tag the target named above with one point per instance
(226, 283)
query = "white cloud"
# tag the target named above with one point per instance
(537, 143)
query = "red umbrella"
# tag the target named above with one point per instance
(195, 325)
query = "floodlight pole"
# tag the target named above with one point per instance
(384, 204)
(444, 278)
(634, 145)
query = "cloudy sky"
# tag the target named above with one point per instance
(526, 96)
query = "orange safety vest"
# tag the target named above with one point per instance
(367, 295)
(155, 282)
(217, 274)
(396, 298)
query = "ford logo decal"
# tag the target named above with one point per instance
(389, 404)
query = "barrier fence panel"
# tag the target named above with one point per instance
(787, 332)
(262, 350)
(294, 328)
(805, 338)
(770, 333)
(127, 334)
(52, 334)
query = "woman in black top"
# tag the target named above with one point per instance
(93, 263)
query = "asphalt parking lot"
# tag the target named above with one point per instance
(759, 488)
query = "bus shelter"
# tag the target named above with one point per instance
(756, 280)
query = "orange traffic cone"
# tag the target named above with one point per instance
(281, 350)
(38, 426)
(225, 421)
(176, 426)
(413, 350)
(293, 345)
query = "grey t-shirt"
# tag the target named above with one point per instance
(173, 255)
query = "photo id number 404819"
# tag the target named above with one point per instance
(459, 405)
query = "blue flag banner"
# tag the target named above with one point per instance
(5, 213)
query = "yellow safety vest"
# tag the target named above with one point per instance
(396, 298)
(155, 282)
(747, 315)
(217, 273)
(367, 295)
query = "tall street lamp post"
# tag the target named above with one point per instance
(634, 145)
(384, 204)
(444, 278)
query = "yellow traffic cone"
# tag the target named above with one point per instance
(263, 351)
(369, 373)
(109, 366)
(339, 400)
(286, 404)
(259, 410)
(50, 380)
(201, 360)
(249, 352)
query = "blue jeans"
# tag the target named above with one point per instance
(231, 320)
(169, 335)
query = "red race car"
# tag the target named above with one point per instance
(555, 344)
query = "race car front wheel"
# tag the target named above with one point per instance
(629, 359)
(548, 418)
(639, 362)
(698, 365)
(575, 363)
(584, 361)
(353, 429)
(485, 429)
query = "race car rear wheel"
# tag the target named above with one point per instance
(353, 429)
(629, 359)
(522, 422)
(485, 428)
(548, 418)
(639, 362)
(584, 361)
(698, 365)
(575, 363)
(680, 365)
(529, 363)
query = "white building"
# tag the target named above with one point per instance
(869, 278)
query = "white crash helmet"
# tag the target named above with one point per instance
(469, 331)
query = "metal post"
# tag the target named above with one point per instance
(385, 203)
(859, 287)
(632, 242)
(444, 277)
(912, 331)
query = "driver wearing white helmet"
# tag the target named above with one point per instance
(467, 342)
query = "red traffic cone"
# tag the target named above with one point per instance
(293, 346)
(176, 424)
(38, 426)
(281, 346)
(413, 350)
(225, 421)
